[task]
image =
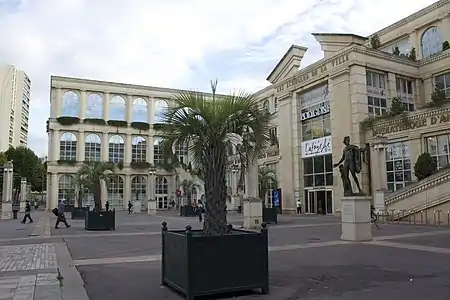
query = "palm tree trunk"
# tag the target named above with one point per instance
(98, 196)
(215, 192)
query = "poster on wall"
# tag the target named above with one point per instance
(276, 200)
(320, 146)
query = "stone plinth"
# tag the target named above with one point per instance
(151, 207)
(252, 213)
(355, 216)
(6, 211)
(137, 207)
(378, 200)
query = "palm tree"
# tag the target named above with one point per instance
(207, 125)
(266, 180)
(188, 186)
(92, 174)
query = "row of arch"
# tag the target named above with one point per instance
(67, 190)
(431, 41)
(117, 107)
(68, 145)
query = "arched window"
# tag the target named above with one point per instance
(66, 189)
(70, 103)
(140, 110)
(115, 192)
(116, 151)
(431, 42)
(266, 106)
(139, 188)
(94, 106)
(68, 146)
(158, 152)
(161, 186)
(181, 152)
(160, 107)
(117, 108)
(92, 147)
(138, 149)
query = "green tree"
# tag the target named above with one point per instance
(3, 158)
(91, 175)
(25, 164)
(425, 166)
(445, 46)
(187, 186)
(412, 54)
(375, 41)
(267, 180)
(397, 107)
(438, 96)
(207, 124)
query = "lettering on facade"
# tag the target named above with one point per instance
(315, 112)
(313, 73)
(320, 146)
(411, 125)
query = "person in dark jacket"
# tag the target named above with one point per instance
(27, 212)
(61, 217)
(130, 206)
(107, 205)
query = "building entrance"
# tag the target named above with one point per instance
(318, 202)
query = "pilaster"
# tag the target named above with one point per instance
(150, 109)
(55, 152)
(105, 147)
(127, 190)
(378, 170)
(445, 28)
(54, 191)
(106, 100)
(82, 106)
(392, 87)
(150, 148)
(127, 149)
(57, 103)
(80, 146)
(129, 109)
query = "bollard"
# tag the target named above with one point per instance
(414, 218)
(409, 216)
(439, 217)
(434, 217)
(421, 217)
(448, 217)
(392, 218)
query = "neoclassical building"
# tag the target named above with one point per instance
(346, 93)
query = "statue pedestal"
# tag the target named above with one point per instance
(252, 213)
(137, 208)
(151, 207)
(378, 200)
(355, 216)
(6, 211)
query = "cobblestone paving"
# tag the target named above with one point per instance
(27, 257)
(42, 286)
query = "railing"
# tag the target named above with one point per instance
(438, 217)
(440, 177)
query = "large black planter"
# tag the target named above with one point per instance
(100, 220)
(191, 260)
(78, 213)
(68, 208)
(270, 215)
(187, 211)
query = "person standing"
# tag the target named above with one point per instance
(130, 207)
(61, 217)
(107, 205)
(27, 212)
(200, 210)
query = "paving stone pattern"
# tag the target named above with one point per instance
(42, 286)
(27, 257)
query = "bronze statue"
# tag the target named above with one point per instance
(351, 162)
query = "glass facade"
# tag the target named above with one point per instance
(398, 166)
(318, 171)
(438, 147)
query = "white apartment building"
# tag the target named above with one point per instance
(15, 89)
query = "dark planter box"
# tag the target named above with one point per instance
(68, 208)
(100, 220)
(187, 211)
(188, 256)
(270, 215)
(78, 213)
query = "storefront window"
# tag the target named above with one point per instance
(318, 171)
(317, 127)
(398, 166)
(314, 96)
(438, 147)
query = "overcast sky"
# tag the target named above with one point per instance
(172, 43)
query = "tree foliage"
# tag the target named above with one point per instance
(187, 186)
(425, 166)
(397, 107)
(207, 125)
(375, 41)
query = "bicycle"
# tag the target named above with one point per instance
(373, 216)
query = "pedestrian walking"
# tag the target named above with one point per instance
(107, 205)
(130, 207)
(27, 212)
(200, 210)
(61, 217)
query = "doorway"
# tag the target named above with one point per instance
(318, 202)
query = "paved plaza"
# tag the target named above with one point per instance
(307, 260)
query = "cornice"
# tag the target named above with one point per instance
(434, 58)
(412, 17)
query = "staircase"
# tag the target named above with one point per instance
(422, 199)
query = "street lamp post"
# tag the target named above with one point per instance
(151, 206)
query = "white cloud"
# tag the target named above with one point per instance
(155, 42)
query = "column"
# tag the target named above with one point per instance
(82, 106)
(392, 87)
(106, 97)
(150, 149)
(150, 105)
(127, 190)
(56, 103)
(48, 204)
(252, 180)
(54, 191)
(105, 147)
(129, 109)
(252, 204)
(80, 147)
(23, 193)
(151, 205)
(55, 152)
(413, 41)
(127, 149)
(296, 150)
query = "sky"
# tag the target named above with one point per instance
(172, 43)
